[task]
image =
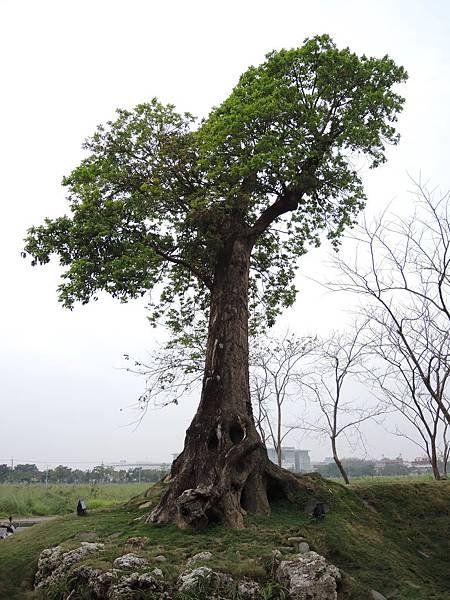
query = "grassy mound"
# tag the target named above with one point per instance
(392, 537)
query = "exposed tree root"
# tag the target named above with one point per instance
(246, 482)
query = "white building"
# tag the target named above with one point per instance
(292, 459)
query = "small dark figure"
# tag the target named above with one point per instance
(10, 528)
(81, 509)
(318, 512)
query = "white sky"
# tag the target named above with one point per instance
(65, 66)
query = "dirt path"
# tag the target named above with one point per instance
(24, 522)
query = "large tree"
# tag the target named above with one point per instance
(214, 216)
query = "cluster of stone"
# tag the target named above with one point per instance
(54, 563)
(305, 575)
(110, 585)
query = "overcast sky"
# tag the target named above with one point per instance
(65, 67)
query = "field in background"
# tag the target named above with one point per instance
(41, 500)
(381, 479)
(30, 500)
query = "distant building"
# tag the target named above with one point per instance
(123, 465)
(420, 465)
(384, 462)
(292, 459)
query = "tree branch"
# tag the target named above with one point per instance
(287, 202)
(176, 260)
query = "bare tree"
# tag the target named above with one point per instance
(277, 369)
(401, 269)
(403, 389)
(340, 359)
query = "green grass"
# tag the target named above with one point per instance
(392, 537)
(374, 480)
(42, 500)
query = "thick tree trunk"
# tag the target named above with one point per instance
(224, 470)
(339, 465)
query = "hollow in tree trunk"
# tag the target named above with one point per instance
(224, 471)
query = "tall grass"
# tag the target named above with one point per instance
(42, 500)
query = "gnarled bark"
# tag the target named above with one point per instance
(224, 471)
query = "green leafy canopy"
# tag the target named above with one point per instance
(151, 204)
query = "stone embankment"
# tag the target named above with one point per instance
(305, 575)
(296, 570)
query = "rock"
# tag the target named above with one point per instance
(54, 563)
(249, 590)
(190, 580)
(98, 582)
(300, 542)
(374, 595)
(102, 585)
(129, 561)
(137, 542)
(204, 578)
(160, 558)
(276, 554)
(200, 557)
(309, 576)
(135, 586)
(191, 505)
